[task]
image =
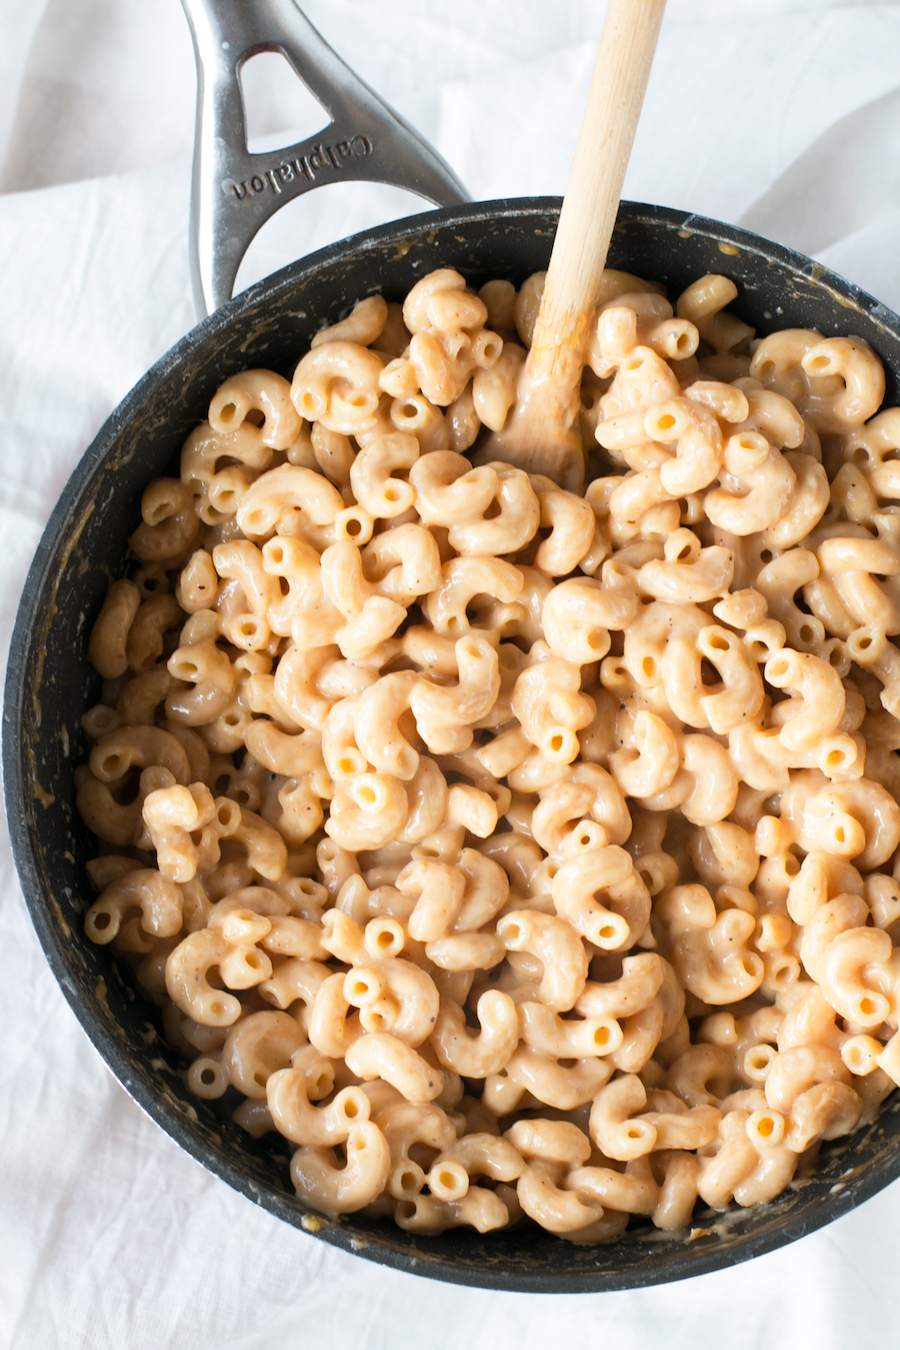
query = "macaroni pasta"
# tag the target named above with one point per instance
(517, 856)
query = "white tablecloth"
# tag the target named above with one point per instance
(779, 114)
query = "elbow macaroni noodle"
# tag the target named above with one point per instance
(514, 855)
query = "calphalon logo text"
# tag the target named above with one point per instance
(321, 158)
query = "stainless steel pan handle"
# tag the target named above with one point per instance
(235, 192)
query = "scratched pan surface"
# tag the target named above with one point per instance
(49, 685)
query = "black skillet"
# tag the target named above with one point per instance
(49, 683)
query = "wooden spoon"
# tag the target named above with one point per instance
(542, 435)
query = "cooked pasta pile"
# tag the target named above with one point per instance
(516, 854)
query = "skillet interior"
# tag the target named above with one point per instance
(49, 685)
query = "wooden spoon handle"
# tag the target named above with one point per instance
(551, 379)
(589, 209)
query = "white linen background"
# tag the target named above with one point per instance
(779, 114)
